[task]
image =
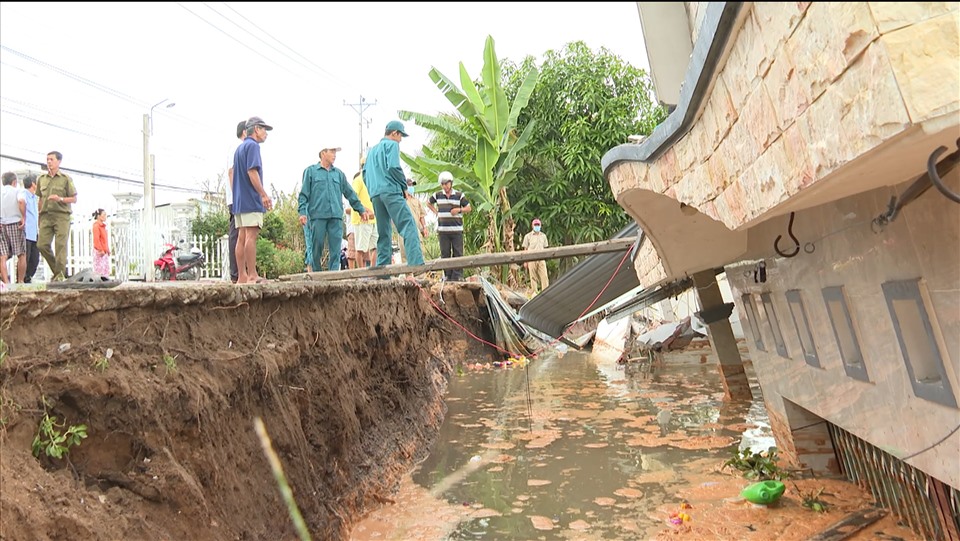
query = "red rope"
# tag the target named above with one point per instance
(457, 323)
(537, 352)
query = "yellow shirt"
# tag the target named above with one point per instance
(361, 188)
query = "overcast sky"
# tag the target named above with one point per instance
(78, 78)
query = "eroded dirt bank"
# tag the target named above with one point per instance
(348, 379)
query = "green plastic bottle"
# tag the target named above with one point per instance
(764, 492)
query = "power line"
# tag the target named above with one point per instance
(314, 64)
(104, 176)
(23, 115)
(225, 33)
(75, 77)
(51, 124)
(258, 38)
(90, 83)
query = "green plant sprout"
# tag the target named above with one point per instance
(811, 500)
(54, 443)
(101, 364)
(170, 363)
(759, 466)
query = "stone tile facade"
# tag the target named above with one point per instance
(807, 88)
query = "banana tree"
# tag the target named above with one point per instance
(487, 125)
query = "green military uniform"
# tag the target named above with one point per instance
(54, 220)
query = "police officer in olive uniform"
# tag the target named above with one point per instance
(55, 195)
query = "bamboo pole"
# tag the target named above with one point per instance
(470, 261)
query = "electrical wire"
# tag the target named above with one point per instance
(248, 47)
(328, 74)
(105, 176)
(103, 88)
(256, 35)
(925, 449)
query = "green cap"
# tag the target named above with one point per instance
(396, 125)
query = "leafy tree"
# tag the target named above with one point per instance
(212, 224)
(584, 104)
(489, 124)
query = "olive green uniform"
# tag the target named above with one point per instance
(54, 220)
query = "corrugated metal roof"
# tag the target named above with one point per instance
(570, 296)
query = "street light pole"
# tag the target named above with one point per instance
(148, 196)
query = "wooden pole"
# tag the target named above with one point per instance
(470, 261)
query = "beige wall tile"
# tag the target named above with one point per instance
(925, 59)
(895, 15)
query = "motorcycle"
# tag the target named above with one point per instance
(179, 267)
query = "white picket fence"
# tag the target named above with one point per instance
(126, 249)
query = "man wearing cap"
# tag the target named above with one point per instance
(250, 199)
(416, 209)
(364, 231)
(387, 184)
(535, 240)
(450, 207)
(321, 203)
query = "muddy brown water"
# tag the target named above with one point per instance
(573, 443)
(577, 447)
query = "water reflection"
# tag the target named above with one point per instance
(579, 447)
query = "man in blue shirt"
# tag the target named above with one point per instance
(30, 230)
(323, 188)
(387, 184)
(250, 199)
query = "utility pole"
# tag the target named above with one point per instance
(148, 193)
(360, 108)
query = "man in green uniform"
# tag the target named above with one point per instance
(387, 184)
(321, 209)
(55, 195)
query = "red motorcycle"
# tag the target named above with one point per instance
(180, 267)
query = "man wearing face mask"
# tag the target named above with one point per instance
(419, 216)
(536, 240)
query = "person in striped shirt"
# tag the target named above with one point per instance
(449, 205)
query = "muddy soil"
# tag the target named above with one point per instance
(348, 379)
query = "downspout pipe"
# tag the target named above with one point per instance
(719, 24)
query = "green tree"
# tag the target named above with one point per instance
(215, 223)
(489, 124)
(584, 104)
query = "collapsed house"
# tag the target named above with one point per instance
(810, 155)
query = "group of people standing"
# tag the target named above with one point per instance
(378, 198)
(35, 221)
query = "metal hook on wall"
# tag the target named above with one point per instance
(935, 176)
(796, 248)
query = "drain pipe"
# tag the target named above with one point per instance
(719, 25)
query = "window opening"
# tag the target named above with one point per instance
(844, 332)
(918, 344)
(798, 312)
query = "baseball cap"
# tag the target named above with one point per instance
(257, 121)
(396, 125)
(331, 147)
(536, 221)
(445, 176)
